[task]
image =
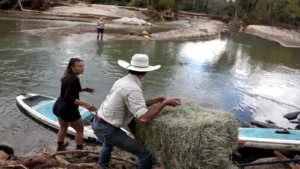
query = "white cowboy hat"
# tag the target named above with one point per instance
(139, 63)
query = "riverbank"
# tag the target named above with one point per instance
(287, 38)
(201, 28)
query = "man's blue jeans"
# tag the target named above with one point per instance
(112, 136)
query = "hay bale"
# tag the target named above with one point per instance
(190, 137)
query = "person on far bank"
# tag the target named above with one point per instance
(66, 106)
(100, 28)
(124, 102)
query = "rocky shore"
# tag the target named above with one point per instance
(287, 38)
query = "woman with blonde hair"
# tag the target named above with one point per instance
(66, 106)
(100, 27)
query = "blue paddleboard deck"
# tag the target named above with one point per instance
(263, 133)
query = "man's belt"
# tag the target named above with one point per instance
(100, 120)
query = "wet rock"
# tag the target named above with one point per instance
(292, 116)
(295, 121)
(264, 125)
(270, 122)
(297, 127)
(7, 149)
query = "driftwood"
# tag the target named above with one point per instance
(15, 166)
(167, 15)
(72, 152)
(88, 151)
(192, 13)
(282, 157)
(41, 159)
(19, 3)
(297, 157)
(45, 161)
(61, 159)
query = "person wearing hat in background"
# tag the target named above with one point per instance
(124, 102)
(100, 27)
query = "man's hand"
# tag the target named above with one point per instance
(152, 112)
(90, 107)
(160, 99)
(173, 102)
(131, 135)
(90, 90)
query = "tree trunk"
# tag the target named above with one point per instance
(20, 4)
(275, 4)
(255, 4)
(249, 2)
(269, 10)
(204, 5)
(236, 9)
(194, 5)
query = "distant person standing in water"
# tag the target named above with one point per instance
(100, 28)
(66, 106)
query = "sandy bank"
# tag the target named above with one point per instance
(287, 38)
(200, 29)
(81, 9)
(78, 12)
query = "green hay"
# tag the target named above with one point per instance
(191, 137)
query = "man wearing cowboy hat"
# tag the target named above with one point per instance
(124, 102)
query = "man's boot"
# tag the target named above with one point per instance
(79, 147)
(62, 146)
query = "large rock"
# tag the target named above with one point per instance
(264, 125)
(3, 155)
(292, 116)
(7, 149)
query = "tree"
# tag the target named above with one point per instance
(20, 4)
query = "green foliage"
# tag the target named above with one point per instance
(254, 11)
(111, 2)
(166, 4)
(140, 3)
